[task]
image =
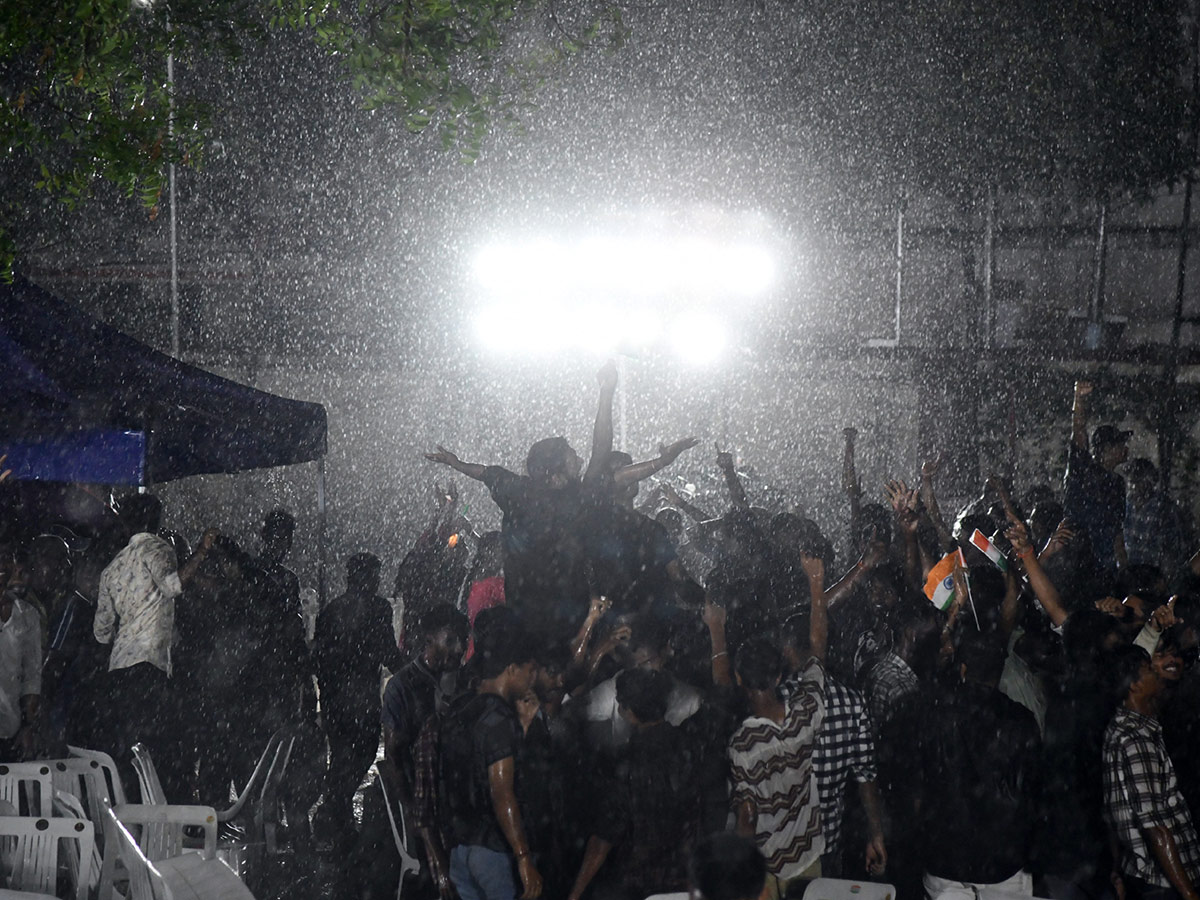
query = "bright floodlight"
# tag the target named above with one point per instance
(698, 338)
(625, 267)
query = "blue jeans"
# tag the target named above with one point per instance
(482, 874)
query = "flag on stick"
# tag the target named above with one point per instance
(980, 542)
(939, 586)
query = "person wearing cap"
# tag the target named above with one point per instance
(1095, 493)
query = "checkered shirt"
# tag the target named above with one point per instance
(1140, 792)
(889, 682)
(845, 749)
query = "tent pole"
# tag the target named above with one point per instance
(176, 344)
(321, 557)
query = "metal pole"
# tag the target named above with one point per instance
(989, 268)
(900, 261)
(1099, 262)
(175, 340)
(622, 393)
(1167, 425)
(321, 554)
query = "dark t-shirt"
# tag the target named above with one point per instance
(1095, 499)
(649, 811)
(560, 542)
(545, 560)
(1073, 833)
(980, 761)
(354, 637)
(479, 730)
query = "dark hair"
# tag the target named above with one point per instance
(1127, 667)
(278, 522)
(547, 458)
(1084, 635)
(500, 647)
(649, 632)
(726, 866)
(361, 567)
(644, 692)
(141, 512)
(878, 518)
(618, 459)
(443, 617)
(795, 630)
(759, 664)
(982, 654)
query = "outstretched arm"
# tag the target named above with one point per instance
(737, 493)
(692, 511)
(602, 431)
(446, 458)
(667, 454)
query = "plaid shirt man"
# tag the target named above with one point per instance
(889, 682)
(1140, 792)
(845, 748)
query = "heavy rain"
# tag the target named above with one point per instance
(590, 450)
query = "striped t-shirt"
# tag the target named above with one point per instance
(771, 766)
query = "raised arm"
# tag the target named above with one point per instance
(446, 458)
(929, 470)
(714, 616)
(873, 554)
(737, 493)
(667, 454)
(602, 431)
(818, 623)
(852, 486)
(904, 504)
(1043, 588)
(1079, 435)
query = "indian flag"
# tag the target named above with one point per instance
(980, 542)
(939, 586)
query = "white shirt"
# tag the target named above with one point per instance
(600, 705)
(137, 596)
(20, 664)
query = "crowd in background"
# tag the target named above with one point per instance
(1004, 703)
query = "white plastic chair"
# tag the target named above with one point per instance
(408, 862)
(190, 876)
(161, 828)
(28, 787)
(67, 806)
(845, 889)
(116, 791)
(148, 782)
(29, 847)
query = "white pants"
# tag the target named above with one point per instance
(1020, 885)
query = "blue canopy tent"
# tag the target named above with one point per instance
(81, 402)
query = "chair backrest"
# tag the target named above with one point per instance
(68, 806)
(845, 889)
(400, 832)
(161, 828)
(151, 787)
(116, 791)
(251, 794)
(28, 787)
(267, 815)
(29, 853)
(144, 882)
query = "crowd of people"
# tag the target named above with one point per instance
(613, 699)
